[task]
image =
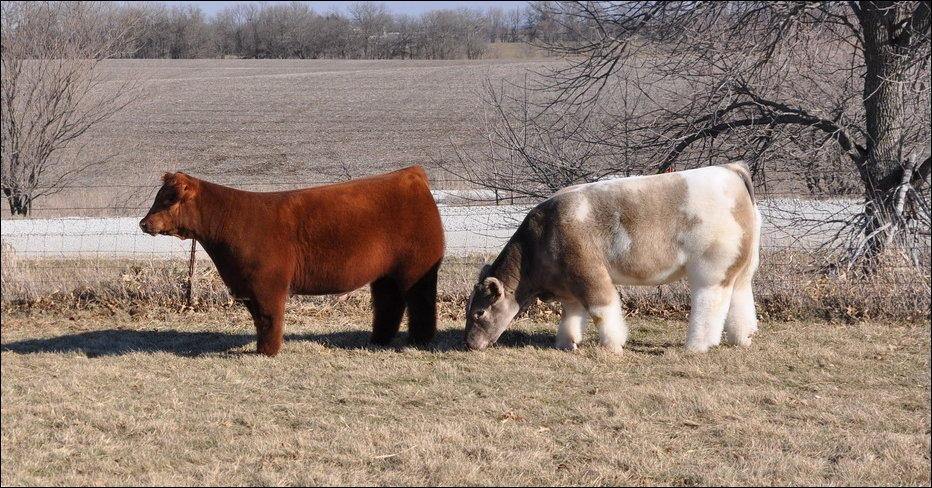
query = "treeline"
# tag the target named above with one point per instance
(294, 30)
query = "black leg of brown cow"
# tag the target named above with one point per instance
(388, 305)
(268, 313)
(422, 309)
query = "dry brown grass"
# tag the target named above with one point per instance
(165, 398)
(516, 50)
(786, 288)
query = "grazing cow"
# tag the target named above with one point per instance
(383, 230)
(702, 224)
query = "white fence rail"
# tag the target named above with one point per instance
(469, 230)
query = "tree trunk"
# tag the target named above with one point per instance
(882, 167)
(19, 204)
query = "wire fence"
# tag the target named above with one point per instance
(87, 235)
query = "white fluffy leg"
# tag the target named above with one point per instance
(709, 304)
(572, 325)
(742, 316)
(613, 332)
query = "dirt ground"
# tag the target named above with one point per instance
(270, 124)
(177, 398)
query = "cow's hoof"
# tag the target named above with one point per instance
(697, 348)
(269, 351)
(738, 341)
(569, 346)
(614, 348)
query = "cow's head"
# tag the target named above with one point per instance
(170, 212)
(490, 311)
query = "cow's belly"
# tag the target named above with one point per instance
(651, 272)
(662, 277)
(331, 288)
(333, 283)
(340, 274)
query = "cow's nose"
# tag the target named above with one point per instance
(476, 345)
(143, 225)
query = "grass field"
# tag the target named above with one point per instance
(167, 398)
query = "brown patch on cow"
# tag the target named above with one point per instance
(383, 230)
(651, 215)
(746, 217)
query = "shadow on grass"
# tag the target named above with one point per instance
(650, 348)
(116, 342)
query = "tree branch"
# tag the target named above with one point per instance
(788, 116)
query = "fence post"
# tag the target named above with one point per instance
(189, 292)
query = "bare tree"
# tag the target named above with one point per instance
(515, 20)
(781, 84)
(371, 22)
(53, 91)
(528, 155)
(367, 30)
(449, 34)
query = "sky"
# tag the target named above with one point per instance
(413, 8)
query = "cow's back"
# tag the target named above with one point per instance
(350, 234)
(645, 230)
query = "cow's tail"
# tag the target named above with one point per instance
(741, 168)
(745, 173)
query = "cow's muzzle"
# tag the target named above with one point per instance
(476, 343)
(148, 228)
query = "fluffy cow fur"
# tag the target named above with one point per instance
(700, 224)
(384, 230)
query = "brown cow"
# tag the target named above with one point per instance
(384, 230)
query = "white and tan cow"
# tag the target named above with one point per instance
(701, 224)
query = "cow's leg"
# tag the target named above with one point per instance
(267, 312)
(608, 316)
(741, 322)
(594, 287)
(422, 308)
(715, 327)
(708, 306)
(388, 305)
(604, 306)
(572, 325)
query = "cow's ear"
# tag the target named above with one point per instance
(184, 185)
(494, 288)
(484, 272)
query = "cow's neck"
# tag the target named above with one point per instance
(509, 269)
(216, 211)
